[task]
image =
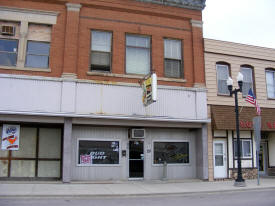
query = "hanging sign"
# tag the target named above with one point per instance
(10, 137)
(149, 87)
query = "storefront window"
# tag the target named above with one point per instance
(245, 148)
(171, 152)
(92, 152)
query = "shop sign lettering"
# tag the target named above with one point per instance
(246, 124)
(249, 124)
(271, 125)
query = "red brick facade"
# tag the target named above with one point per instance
(70, 42)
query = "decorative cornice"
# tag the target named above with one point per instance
(196, 23)
(73, 7)
(189, 4)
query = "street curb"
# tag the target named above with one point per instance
(138, 195)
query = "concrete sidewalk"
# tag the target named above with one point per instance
(127, 188)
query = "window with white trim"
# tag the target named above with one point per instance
(95, 152)
(172, 58)
(38, 46)
(222, 76)
(138, 54)
(245, 148)
(171, 152)
(101, 46)
(247, 73)
(9, 36)
(270, 83)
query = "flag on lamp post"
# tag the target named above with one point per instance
(252, 100)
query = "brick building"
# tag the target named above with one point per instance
(71, 74)
(224, 59)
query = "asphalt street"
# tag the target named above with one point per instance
(262, 197)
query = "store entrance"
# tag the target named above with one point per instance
(136, 159)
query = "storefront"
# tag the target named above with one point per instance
(115, 153)
(35, 152)
(224, 142)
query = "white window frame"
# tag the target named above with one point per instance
(98, 165)
(268, 94)
(228, 72)
(168, 140)
(100, 51)
(173, 57)
(242, 153)
(252, 79)
(138, 47)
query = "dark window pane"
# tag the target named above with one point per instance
(172, 68)
(98, 152)
(41, 48)
(8, 59)
(37, 61)
(8, 45)
(218, 160)
(100, 61)
(171, 152)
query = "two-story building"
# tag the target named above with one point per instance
(71, 97)
(257, 64)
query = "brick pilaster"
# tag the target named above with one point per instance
(198, 55)
(71, 41)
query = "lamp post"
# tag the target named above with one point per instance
(239, 181)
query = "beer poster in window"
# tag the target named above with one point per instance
(10, 137)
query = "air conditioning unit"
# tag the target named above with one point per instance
(8, 30)
(137, 133)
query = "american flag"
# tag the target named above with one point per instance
(252, 100)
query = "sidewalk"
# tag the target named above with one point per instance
(127, 188)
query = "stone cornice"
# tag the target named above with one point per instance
(189, 4)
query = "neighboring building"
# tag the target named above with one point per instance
(70, 75)
(224, 59)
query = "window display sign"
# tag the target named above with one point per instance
(98, 152)
(10, 137)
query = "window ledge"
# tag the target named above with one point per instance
(171, 79)
(107, 74)
(26, 69)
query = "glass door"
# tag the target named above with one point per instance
(136, 159)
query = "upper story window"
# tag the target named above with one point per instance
(270, 83)
(34, 49)
(38, 46)
(101, 51)
(8, 52)
(247, 72)
(9, 35)
(222, 76)
(138, 54)
(172, 58)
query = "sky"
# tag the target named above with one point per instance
(242, 21)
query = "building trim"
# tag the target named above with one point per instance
(136, 23)
(29, 15)
(245, 57)
(73, 7)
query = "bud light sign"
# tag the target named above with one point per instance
(10, 137)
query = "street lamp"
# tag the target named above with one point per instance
(239, 181)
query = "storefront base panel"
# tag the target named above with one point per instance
(247, 173)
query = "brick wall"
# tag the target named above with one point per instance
(70, 41)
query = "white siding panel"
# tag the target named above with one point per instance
(30, 95)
